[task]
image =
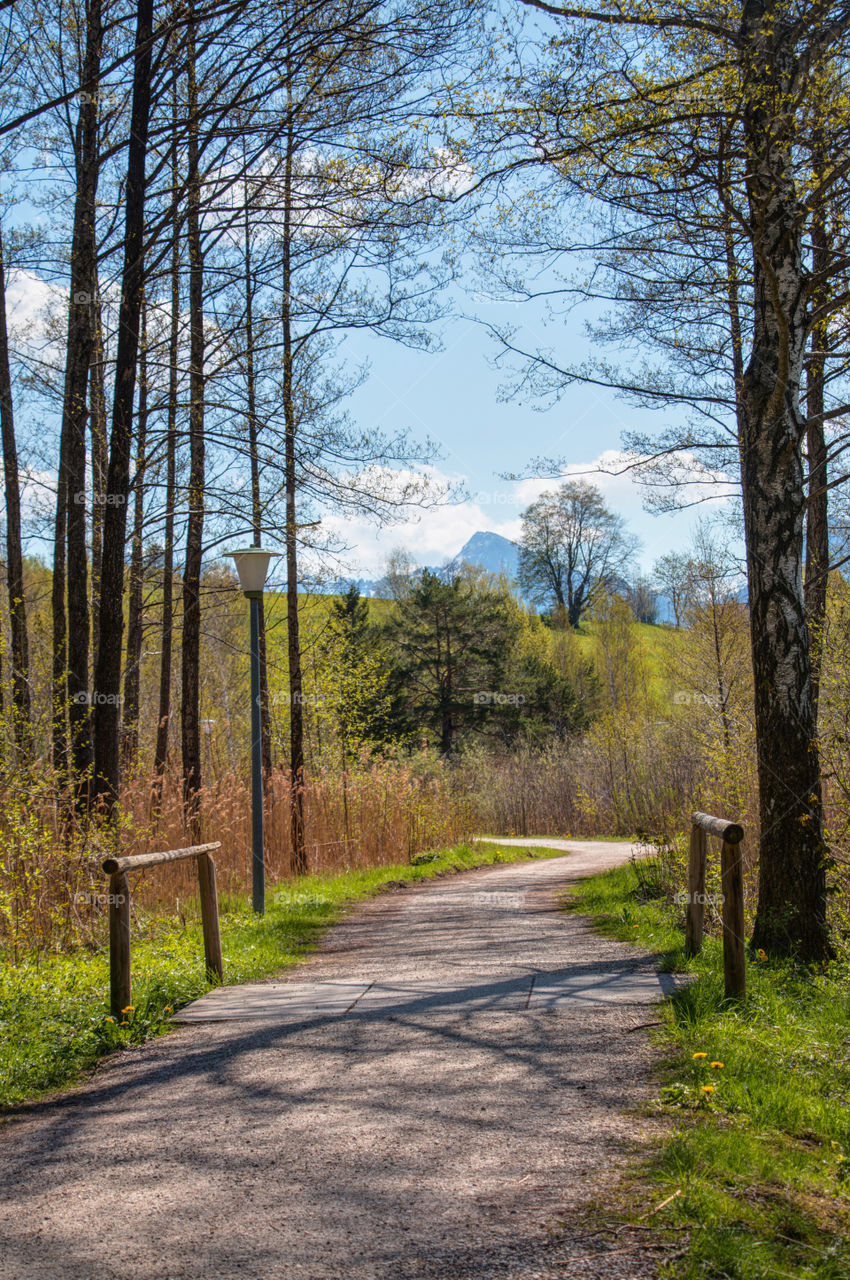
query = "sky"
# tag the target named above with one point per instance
(454, 397)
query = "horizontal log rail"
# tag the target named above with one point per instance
(120, 977)
(732, 832)
(704, 825)
(136, 861)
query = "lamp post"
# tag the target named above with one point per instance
(252, 565)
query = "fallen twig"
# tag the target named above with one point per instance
(664, 1203)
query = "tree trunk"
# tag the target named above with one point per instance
(167, 631)
(107, 717)
(97, 432)
(256, 502)
(21, 709)
(81, 341)
(791, 913)
(817, 512)
(191, 642)
(296, 706)
(135, 628)
(59, 686)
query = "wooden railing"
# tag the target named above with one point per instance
(732, 891)
(120, 981)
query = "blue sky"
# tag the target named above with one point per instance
(453, 396)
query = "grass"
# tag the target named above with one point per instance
(54, 1012)
(761, 1149)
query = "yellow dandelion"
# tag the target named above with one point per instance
(110, 1019)
(123, 1024)
(168, 1008)
(129, 1009)
(700, 1055)
(635, 926)
(762, 955)
(718, 1065)
(708, 1088)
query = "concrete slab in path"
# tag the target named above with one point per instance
(295, 1002)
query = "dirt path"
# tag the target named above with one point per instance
(407, 1139)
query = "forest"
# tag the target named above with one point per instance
(200, 204)
(481, 917)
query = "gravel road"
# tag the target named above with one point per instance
(400, 1142)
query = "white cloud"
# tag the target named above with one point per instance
(436, 535)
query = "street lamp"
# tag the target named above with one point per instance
(252, 565)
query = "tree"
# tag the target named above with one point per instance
(711, 664)
(643, 599)
(360, 676)
(107, 715)
(572, 548)
(21, 702)
(451, 642)
(672, 575)
(695, 132)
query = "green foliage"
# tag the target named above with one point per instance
(451, 643)
(54, 1012)
(357, 677)
(470, 661)
(760, 1152)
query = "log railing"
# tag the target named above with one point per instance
(732, 891)
(120, 983)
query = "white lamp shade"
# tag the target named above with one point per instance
(252, 565)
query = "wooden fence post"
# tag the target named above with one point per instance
(120, 991)
(696, 891)
(209, 916)
(119, 914)
(732, 885)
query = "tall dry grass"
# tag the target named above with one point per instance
(52, 886)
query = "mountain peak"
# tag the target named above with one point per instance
(491, 551)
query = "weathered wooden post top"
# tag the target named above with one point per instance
(704, 825)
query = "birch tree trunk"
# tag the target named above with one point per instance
(791, 913)
(817, 510)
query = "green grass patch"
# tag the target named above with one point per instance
(54, 1012)
(761, 1151)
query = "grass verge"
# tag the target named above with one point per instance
(54, 1012)
(759, 1163)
